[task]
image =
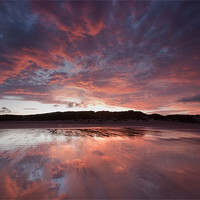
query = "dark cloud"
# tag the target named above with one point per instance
(75, 104)
(56, 105)
(195, 99)
(19, 27)
(5, 110)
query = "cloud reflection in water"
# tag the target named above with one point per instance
(98, 163)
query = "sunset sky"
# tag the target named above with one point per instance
(100, 55)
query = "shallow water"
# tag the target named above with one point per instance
(101, 163)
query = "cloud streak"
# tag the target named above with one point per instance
(195, 99)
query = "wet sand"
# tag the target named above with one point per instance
(74, 124)
(99, 163)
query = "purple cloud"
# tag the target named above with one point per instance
(134, 54)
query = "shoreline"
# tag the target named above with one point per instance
(78, 124)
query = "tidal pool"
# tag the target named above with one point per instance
(99, 163)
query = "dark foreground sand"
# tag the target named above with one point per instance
(112, 162)
(75, 124)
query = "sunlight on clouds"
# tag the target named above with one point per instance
(13, 97)
(69, 94)
(94, 55)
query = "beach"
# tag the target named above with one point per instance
(99, 161)
(74, 124)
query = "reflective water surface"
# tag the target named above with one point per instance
(97, 163)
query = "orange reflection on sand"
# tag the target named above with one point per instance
(93, 164)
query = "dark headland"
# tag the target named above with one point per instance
(101, 116)
(91, 118)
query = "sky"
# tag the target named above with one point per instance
(100, 55)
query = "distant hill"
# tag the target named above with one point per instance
(102, 116)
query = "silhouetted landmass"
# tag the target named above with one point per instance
(101, 116)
